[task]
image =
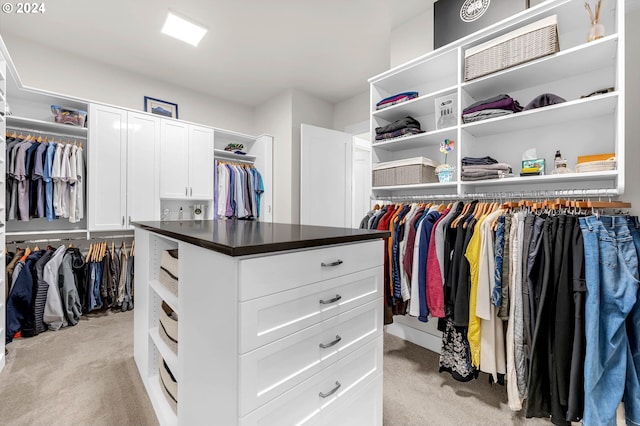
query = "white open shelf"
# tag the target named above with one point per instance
(422, 105)
(417, 186)
(166, 295)
(417, 141)
(46, 126)
(565, 177)
(166, 352)
(164, 412)
(221, 154)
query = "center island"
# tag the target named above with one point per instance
(246, 322)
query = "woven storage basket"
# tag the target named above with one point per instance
(168, 329)
(169, 385)
(524, 44)
(596, 166)
(405, 172)
(168, 274)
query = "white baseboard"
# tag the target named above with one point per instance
(421, 334)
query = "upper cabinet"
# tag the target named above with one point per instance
(124, 163)
(186, 161)
(583, 125)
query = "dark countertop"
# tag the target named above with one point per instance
(244, 237)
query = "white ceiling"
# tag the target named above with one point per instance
(254, 48)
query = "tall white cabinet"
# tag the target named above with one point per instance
(124, 168)
(186, 161)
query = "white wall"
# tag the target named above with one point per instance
(351, 111)
(274, 117)
(412, 38)
(57, 71)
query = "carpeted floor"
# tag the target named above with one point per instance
(85, 375)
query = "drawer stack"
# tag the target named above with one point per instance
(310, 333)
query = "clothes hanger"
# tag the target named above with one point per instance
(465, 210)
(86, 259)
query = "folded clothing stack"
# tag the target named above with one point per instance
(404, 126)
(168, 275)
(481, 168)
(396, 99)
(489, 108)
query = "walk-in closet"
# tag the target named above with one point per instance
(373, 213)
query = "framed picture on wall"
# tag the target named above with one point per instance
(160, 107)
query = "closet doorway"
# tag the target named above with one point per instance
(335, 177)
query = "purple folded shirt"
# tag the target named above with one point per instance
(507, 103)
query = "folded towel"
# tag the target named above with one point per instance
(469, 161)
(485, 114)
(396, 99)
(494, 166)
(507, 103)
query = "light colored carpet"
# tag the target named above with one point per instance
(82, 375)
(86, 375)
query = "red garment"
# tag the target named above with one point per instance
(435, 286)
(383, 225)
(407, 259)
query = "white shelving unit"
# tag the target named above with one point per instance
(580, 126)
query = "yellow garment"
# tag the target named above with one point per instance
(473, 256)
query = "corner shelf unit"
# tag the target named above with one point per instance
(580, 126)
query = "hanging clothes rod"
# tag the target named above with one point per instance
(62, 239)
(41, 132)
(564, 193)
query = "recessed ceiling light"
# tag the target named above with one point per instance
(182, 29)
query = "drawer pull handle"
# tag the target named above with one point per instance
(327, 265)
(328, 345)
(331, 392)
(328, 302)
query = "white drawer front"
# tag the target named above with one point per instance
(362, 408)
(265, 275)
(272, 317)
(273, 369)
(304, 405)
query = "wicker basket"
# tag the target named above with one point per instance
(522, 45)
(405, 172)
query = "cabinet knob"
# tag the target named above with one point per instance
(330, 301)
(327, 265)
(190, 191)
(332, 343)
(122, 220)
(331, 392)
(186, 191)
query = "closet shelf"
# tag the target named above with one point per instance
(159, 401)
(578, 109)
(435, 185)
(422, 105)
(46, 126)
(582, 59)
(58, 232)
(417, 141)
(221, 154)
(164, 293)
(567, 177)
(167, 354)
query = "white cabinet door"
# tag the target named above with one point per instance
(325, 177)
(143, 166)
(106, 190)
(200, 163)
(174, 160)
